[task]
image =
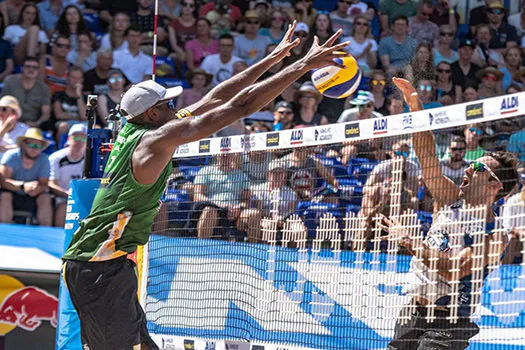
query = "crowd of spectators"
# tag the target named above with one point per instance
(55, 52)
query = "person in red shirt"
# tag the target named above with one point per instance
(222, 7)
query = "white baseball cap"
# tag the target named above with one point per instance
(302, 27)
(142, 96)
(79, 128)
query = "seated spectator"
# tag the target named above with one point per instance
(83, 56)
(464, 71)
(304, 11)
(239, 67)
(56, 65)
(110, 100)
(362, 45)
(420, 27)
(513, 57)
(518, 79)
(489, 79)
(49, 14)
(32, 93)
(364, 109)
(69, 106)
(517, 144)
(483, 55)
(397, 50)
(443, 50)
(95, 80)
(514, 225)
(277, 27)
(454, 166)
(10, 11)
(394, 104)
(221, 7)
(6, 54)
(10, 127)
(67, 164)
(470, 94)
(183, 28)
(202, 46)
(26, 36)
(341, 19)
(307, 100)
(222, 197)
(283, 116)
(255, 163)
(263, 8)
(427, 93)
(220, 65)
(390, 10)
(504, 34)
(444, 85)
(70, 25)
(170, 9)
(116, 38)
(251, 46)
(517, 20)
(108, 9)
(25, 173)
(145, 19)
(473, 134)
(422, 63)
(322, 28)
(444, 14)
(200, 82)
(136, 65)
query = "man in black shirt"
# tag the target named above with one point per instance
(503, 34)
(464, 71)
(146, 19)
(95, 79)
(110, 8)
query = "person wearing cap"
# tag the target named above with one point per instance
(504, 35)
(301, 31)
(283, 116)
(489, 82)
(251, 46)
(25, 174)
(200, 81)
(463, 70)
(364, 104)
(10, 127)
(65, 165)
(136, 174)
(307, 100)
(479, 15)
(220, 65)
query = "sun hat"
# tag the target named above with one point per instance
(363, 97)
(32, 134)
(190, 74)
(11, 102)
(308, 87)
(489, 70)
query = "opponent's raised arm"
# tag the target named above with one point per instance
(443, 190)
(226, 90)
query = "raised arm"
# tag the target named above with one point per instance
(443, 190)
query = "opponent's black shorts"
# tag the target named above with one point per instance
(416, 333)
(105, 297)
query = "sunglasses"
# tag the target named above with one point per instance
(5, 109)
(114, 80)
(277, 18)
(399, 153)
(34, 145)
(491, 77)
(185, 4)
(368, 105)
(446, 34)
(424, 87)
(63, 46)
(476, 131)
(80, 138)
(285, 112)
(441, 70)
(302, 35)
(30, 66)
(172, 105)
(457, 149)
(481, 167)
(365, 24)
(252, 22)
(496, 11)
(378, 82)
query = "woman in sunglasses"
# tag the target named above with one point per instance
(276, 29)
(444, 84)
(489, 82)
(362, 45)
(110, 100)
(377, 86)
(443, 51)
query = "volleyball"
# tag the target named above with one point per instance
(335, 82)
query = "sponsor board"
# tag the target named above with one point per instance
(352, 130)
(204, 146)
(248, 142)
(509, 104)
(272, 139)
(474, 111)
(189, 344)
(183, 149)
(323, 134)
(407, 122)
(380, 126)
(438, 118)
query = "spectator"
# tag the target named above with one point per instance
(70, 24)
(263, 8)
(301, 32)
(322, 28)
(396, 50)
(25, 173)
(56, 65)
(473, 135)
(255, 163)
(251, 46)
(362, 45)
(32, 93)
(50, 11)
(283, 116)
(26, 36)
(377, 88)
(454, 166)
(394, 104)
(518, 79)
(444, 14)
(422, 63)
(504, 35)
(464, 71)
(517, 20)
(443, 51)
(425, 87)
(513, 57)
(420, 27)
(182, 30)
(341, 18)
(110, 100)
(445, 85)
(68, 106)
(200, 81)
(202, 46)
(490, 81)
(308, 99)
(116, 38)
(479, 15)
(390, 10)
(362, 8)
(136, 65)
(65, 165)
(277, 27)
(304, 12)
(239, 66)
(221, 7)
(483, 55)
(364, 109)
(108, 9)
(514, 225)
(10, 127)
(222, 197)
(6, 54)
(170, 9)
(95, 80)
(517, 144)
(145, 19)
(470, 94)
(220, 65)
(84, 56)
(259, 127)
(10, 10)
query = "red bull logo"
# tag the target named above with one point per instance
(25, 307)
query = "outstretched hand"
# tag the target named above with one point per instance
(323, 55)
(396, 232)
(409, 93)
(283, 49)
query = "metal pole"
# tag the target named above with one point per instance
(155, 25)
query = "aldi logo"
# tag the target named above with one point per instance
(297, 137)
(474, 111)
(380, 126)
(272, 139)
(352, 130)
(226, 144)
(509, 105)
(204, 146)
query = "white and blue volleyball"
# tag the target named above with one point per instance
(335, 82)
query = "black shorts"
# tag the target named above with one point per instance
(23, 202)
(223, 224)
(105, 297)
(416, 333)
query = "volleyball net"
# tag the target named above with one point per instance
(278, 240)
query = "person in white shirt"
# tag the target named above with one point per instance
(135, 65)
(341, 19)
(220, 65)
(10, 127)
(67, 164)
(116, 38)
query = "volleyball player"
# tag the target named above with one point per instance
(486, 180)
(101, 280)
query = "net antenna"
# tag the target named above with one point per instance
(155, 26)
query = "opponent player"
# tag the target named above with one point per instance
(488, 179)
(101, 280)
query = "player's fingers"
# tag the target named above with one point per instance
(340, 46)
(333, 38)
(316, 41)
(290, 31)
